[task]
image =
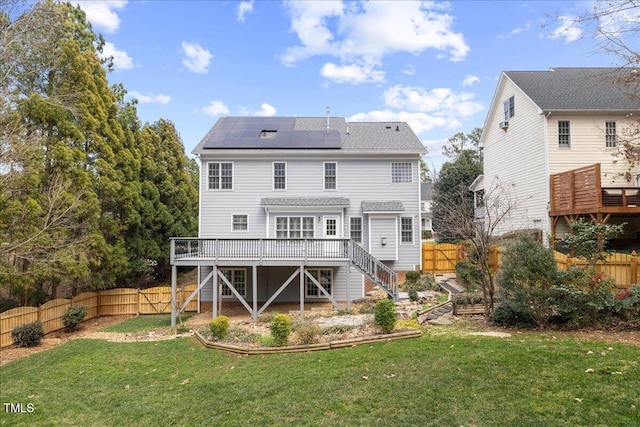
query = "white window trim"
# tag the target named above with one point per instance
(239, 231)
(308, 281)
(564, 146)
(224, 285)
(410, 173)
(615, 135)
(361, 229)
(233, 176)
(273, 177)
(324, 176)
(413, 232)
(288, 217)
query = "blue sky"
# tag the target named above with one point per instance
(434, 65)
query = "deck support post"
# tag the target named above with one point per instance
(348, 286)
(214, 308)
(174, 296)
(254, 272)
(302, 290)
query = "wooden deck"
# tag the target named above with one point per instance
(580, 192)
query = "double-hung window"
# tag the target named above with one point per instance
(238, 279)
(564, 134)
(279, 176)
(355, 229)
(509, 108)
(324, 276)
(611, 135)
(401, 172)
(406, 230)
(330, 175)
(220, 176)
(240, 223)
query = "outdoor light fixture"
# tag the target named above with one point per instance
(383, 241)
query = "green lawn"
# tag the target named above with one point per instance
(443, 379)
(144, 323)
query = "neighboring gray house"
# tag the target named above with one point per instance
(426, 196)
(303, 209)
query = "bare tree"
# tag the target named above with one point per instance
(477, 223)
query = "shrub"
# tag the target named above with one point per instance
(308, 333)
(366, 308)
(384, 315)
(468, 275)
(416, 283)
(28, 335)
(280, 329)
(73, 316)
(412, 276)
(506, 314)
(626, 303)
(219, 327)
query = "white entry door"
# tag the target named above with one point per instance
(330, 229)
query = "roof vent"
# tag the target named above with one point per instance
(397, 128)
(267, 134)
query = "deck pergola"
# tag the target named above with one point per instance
(579, 192)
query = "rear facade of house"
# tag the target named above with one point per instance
(304, 210)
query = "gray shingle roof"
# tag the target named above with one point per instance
(387, 206)
(304, 201)
(578, 88)
(397, 137)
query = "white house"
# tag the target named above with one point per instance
(303, 209)
(542, 124)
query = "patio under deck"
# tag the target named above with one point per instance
(253, 253)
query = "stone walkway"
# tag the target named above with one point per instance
(441, 314)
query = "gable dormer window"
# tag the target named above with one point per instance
(268, 134)
(509, 108)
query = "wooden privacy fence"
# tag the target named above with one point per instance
(102, 303)
(442, 258)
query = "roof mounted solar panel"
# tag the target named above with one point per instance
(268, 133)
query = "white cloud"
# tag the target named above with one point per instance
(215, 108)
(568, 29)
(149, 98)
(266, 110)
(470, 80)
(409, 69)
(419, 122)
(121, 60)
(244, 8)
(366, 32)
(440, 101)
(101, 13)
(197, 58)
(351, 73)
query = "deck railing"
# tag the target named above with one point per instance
(287, 249)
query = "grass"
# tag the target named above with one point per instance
(145, 323)
(445, 378)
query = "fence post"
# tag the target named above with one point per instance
(634, 268)
(138, 302)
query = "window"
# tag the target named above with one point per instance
(509, 109)
(564, 133)
(401, 172)
(238, 279)
(324, 276)
(406, 230)
(330, 176)
(355, 229)
(279, 176)
(240, 223)
(220, 176)
(611, 135)
(294, 227)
